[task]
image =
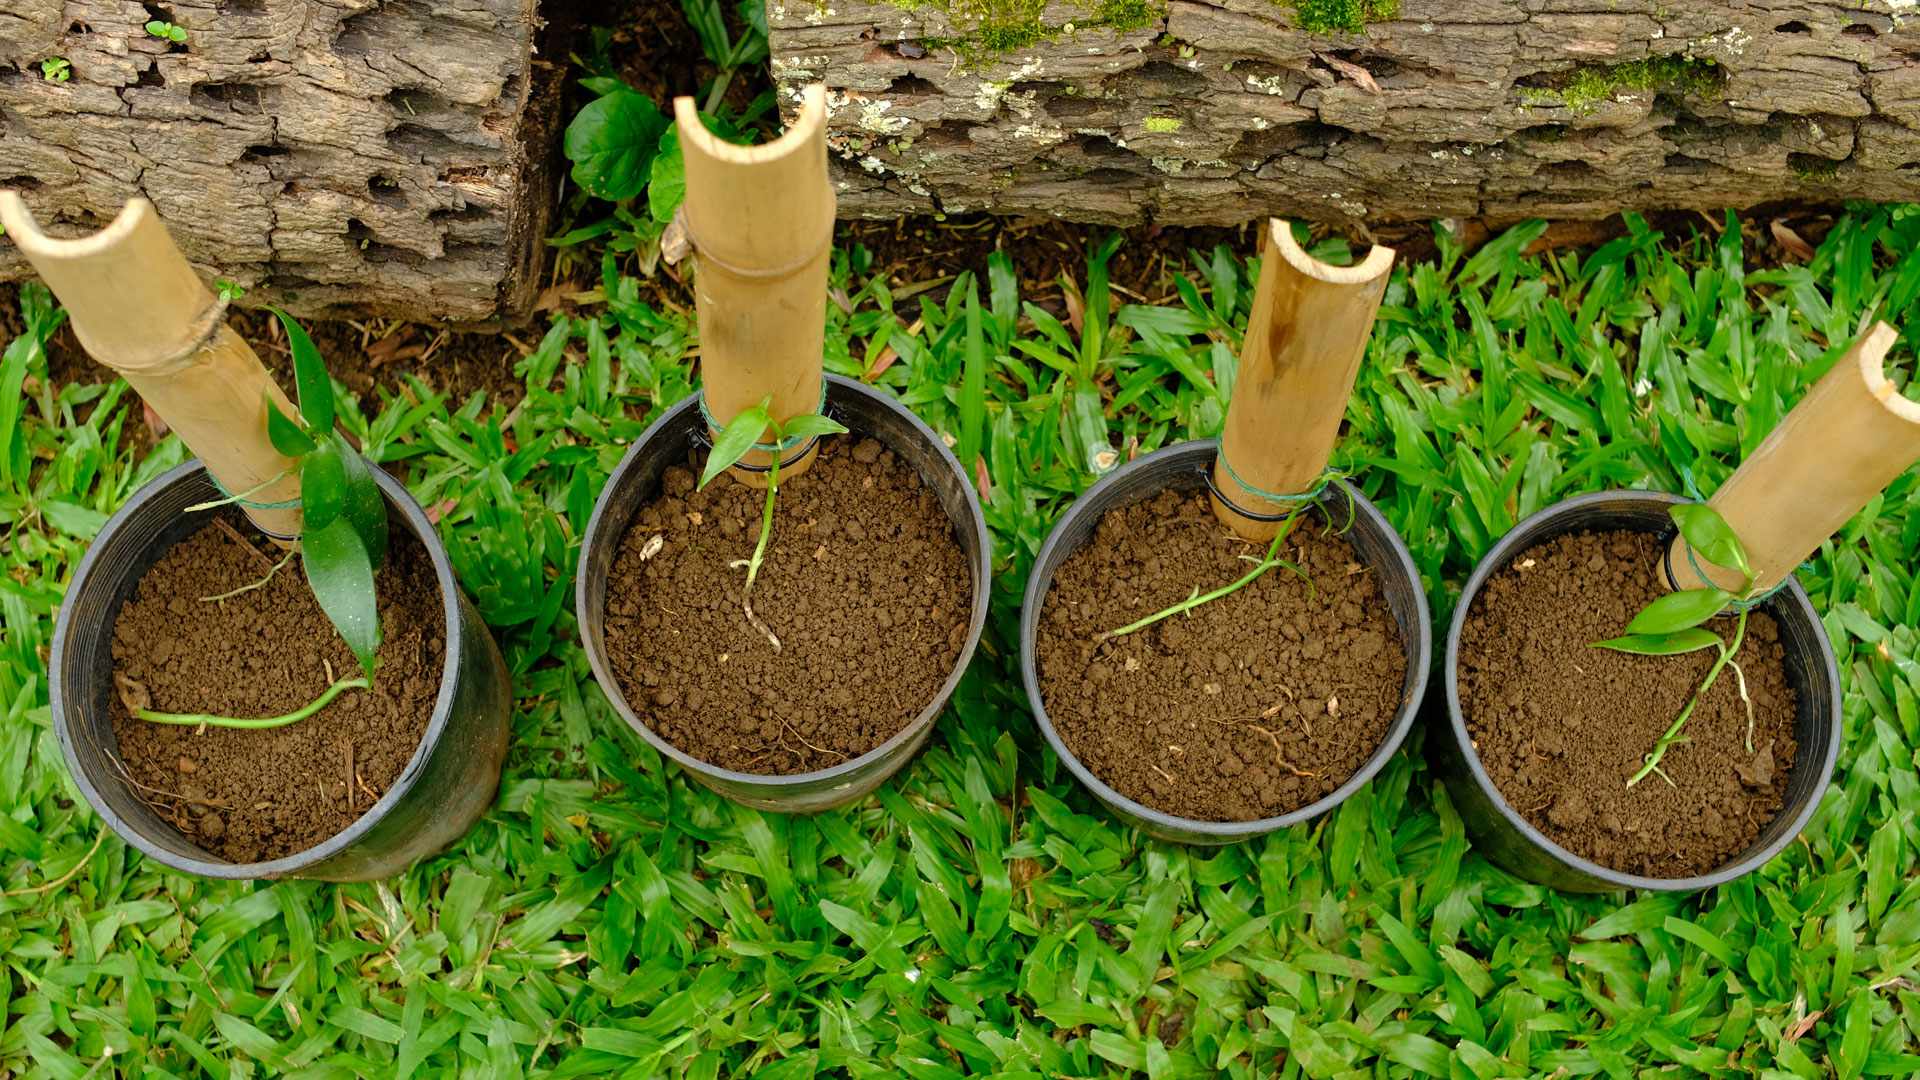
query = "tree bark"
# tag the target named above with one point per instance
(1222, 111)
(337, 157)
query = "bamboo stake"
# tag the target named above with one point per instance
(761, 221)
(1305, 339)
(1847, 439)
(138, 308)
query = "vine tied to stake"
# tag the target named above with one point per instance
(740, 436)
(343, 532)
(1261, 566)
(1672, 624)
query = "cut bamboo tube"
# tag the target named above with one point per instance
(138, 308)
(761, 222)
(1847, 439)
(1305, 339)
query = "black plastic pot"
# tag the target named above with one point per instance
(442, 792)
(867, 412)
(1183, 468)
(1506, 837)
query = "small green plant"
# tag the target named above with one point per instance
(1672, 624)
(160, 28)
(734, 441)
(343, 533)
(1260, 567)
(229, 291)
(623, 146)
(56, 69)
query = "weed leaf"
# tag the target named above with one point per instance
(340, 573)
(1689, 640)
(1679, 610)
(735, 440)
(611, 143)
(310, 375)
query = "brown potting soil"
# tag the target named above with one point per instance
(250, 796)
(1560, 726)
(863, 583)
(1247, 707)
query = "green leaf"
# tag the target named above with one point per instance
(1680, 641)
(340, 573)
(1679, 610)
(1710, 535)
(666, 178)
(808, 425)
(284, 432)
(973, 386)
(738, 437)
(612, 141)
(323, 487)
(364, 507)
(310, 375)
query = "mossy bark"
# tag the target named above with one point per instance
(1221, 111)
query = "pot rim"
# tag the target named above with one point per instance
(398, 498)
(610, 684)
(1496, 559)
(1419, 652)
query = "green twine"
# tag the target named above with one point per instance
(1328, 476)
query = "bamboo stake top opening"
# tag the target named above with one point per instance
(1873, 354)
(797, 137)
(1377, 263)
(132, 299)
(33, 241)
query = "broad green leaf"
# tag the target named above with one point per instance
(310, 375)
(1680, 641)
(341, 576)
(612, 141)
(738, 437)
(666, 178)
(365, 508)
(323, 486)
(808, 425)
(1679, 610)
(285, 432)
(1710, 535)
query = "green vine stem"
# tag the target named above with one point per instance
(197, 719)
(760, 554)
(1272, 560)
(1672, 734)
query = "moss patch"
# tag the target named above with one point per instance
(989, 29)
(1340, 16)
(1813, 168)
(1588, 87)
(1161, 124)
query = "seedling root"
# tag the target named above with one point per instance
(1279, 757)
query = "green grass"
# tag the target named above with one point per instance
(980, 914)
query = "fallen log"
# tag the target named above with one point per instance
(1188, 112)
